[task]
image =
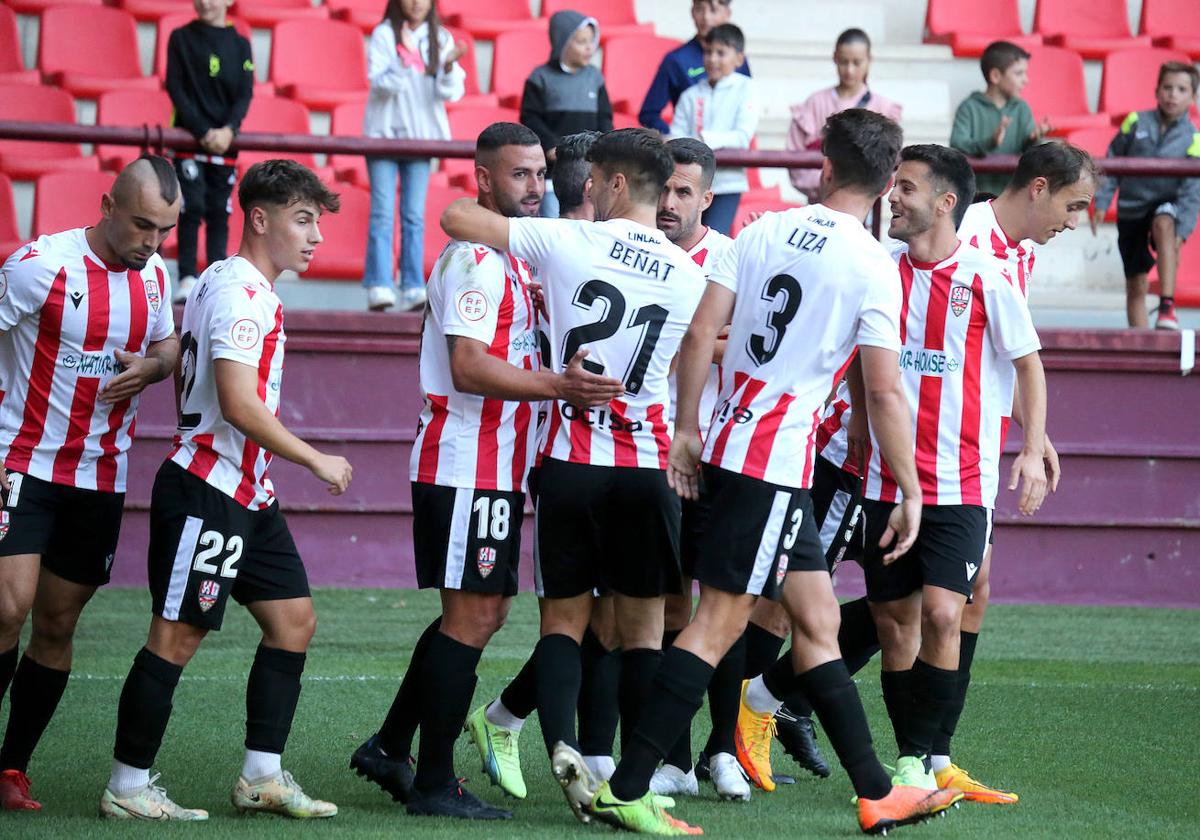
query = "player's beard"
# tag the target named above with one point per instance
(511, 207)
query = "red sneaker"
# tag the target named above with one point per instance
(1166, 320)
(14, 792)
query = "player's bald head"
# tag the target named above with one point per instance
(140, 210)
(148, 180)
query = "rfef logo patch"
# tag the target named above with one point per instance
(960, 299)
(245, 334)
(210, 590)
(472, 305)
(153, 295)
(486, 561)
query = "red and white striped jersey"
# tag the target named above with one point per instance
(465, 440)
(961, 325)
(832, 442)
(705, 254)
(811, 285)
(981, 228)
(63, 313)
(233, 313)
(625, 293)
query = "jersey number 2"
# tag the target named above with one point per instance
(783, 292)
(649, 318)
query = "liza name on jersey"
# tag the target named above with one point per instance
(807, 240)
(640, 260)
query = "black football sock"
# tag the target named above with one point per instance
(599, 704)
(558, 670)
(638, 667)
(680, 754)
(400, 725)
(272, 692)
(933, 690)
(145, 709)
(520, 695)
(858, 639)
(36, 691)
(897, 697)
(966, 655)
(725, 698)
(762, 649)
(448, 682)
(8, 666)
(839, 709)
(677, 693)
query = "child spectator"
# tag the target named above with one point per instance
(683, 66)
(997, 121)
(566, 95)
(413, 70)
(852, 58)
(721, 110)
(210, 79)
(1156, 213)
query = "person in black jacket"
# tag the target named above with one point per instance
(210, 78)
(566, 95)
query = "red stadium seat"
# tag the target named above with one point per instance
(10, 237)
(130, 108)
(277, 115)
(1173, 24)
(1129, 79)
(25, 160)
(466, 124)
(436, 201)
(969, 27)
(342, 255)
(629, 66)
(169, 23)
(514, 57)
(365, 14)
(1056, 90)
(617, 18)
(745, 208)
(36, 7)
(472, 93)
(11, 68)
(322, 63)
(488, 19)
(1093, 28)
(267, 13)
(155, 10)
(66, 200)
(347, 121)
(91, 49)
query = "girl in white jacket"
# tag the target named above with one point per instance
(413, 70)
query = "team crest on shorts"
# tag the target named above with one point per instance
(3, 524)
(209, 590)
(781, 570)
(960, 297)
(486, 561)
(153, 296)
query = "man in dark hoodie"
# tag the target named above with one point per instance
(566, 95)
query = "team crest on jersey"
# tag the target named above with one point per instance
(209, 591)
(960, 299)
(3, 524)
(486, 561)
(153, 296)
(781, 569)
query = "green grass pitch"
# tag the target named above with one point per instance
(1091, 714)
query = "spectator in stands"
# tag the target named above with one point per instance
(1155, 213)
(683, 66)
(852, 58)
(412, 65)
(573, 176)
(722, 110)
(210, 79)
(997, 121)
(566, 95)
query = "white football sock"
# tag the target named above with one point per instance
(939, 762)
(260, 765)
(498, 715)
(125, 779)
(602, 766)
(759, 699)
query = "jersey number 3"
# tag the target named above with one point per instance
(649, 319)
(783, 292)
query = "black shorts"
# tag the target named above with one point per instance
(693, 524)
(74, 530)
(605, 528)
(837, 505)
(948, 552)
(467, 539)
(204, 547)
(757, 533)
(1135, 243)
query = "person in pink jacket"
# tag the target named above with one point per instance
(852, 57)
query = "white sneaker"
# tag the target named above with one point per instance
(146, 803)
(602, 766)
(380, 298)
(669, 780)
(412, 299)
(728, 777)
(279, 794)
(183, 288)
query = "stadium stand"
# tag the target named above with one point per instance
(268, 13)
(365, 14)
(91, 49)
(347, 121)
(487, 19)
(1094, 141)
(630, 62)
(68, 200)
(10, 236)
(11, 68)
(514, 55)
(281, 116)
(1129, 79)
(1057, 90)
(1093, 28)
(151, 11)
(126, 108)
(465, 124)
(438, 199)
(969, 27)
(322, 63)
(472, 93)
(36, 7)
(617, 18)
(27, 159)
(1174, 24)
(342, 253)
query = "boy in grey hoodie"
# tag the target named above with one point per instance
(566, 95)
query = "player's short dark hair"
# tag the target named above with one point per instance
(685, 150)
(727, 34)
(168, 181)
(1189, 70)
(863, 147)
(640, 155)
(1000, 55)
(283, 183)
(571, 169)
(853, 36)
(1060, 163)
(500, 134)
(949, 170)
